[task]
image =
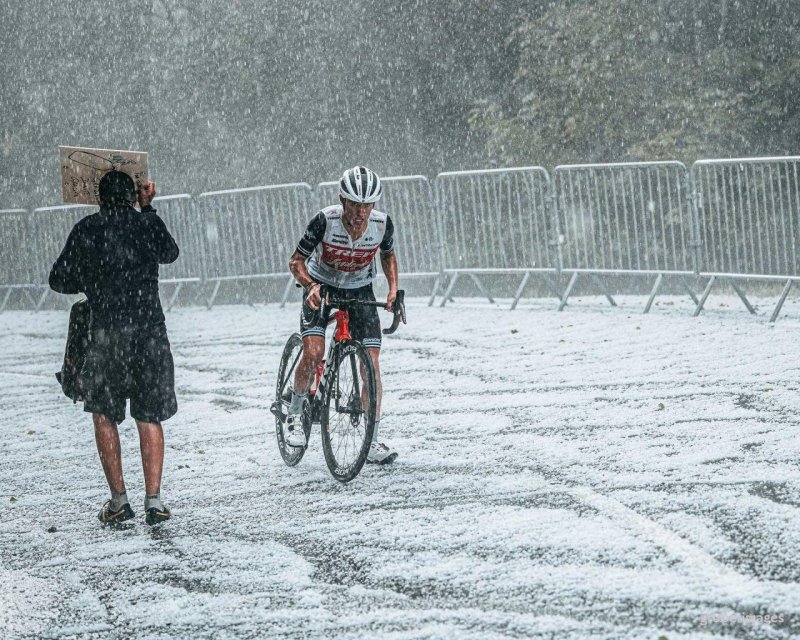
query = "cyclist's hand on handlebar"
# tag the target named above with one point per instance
(314, 296)
(390, 300)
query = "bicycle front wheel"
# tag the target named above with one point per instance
(283, 396)
(348, 410)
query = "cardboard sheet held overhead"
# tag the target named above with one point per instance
(82, 169)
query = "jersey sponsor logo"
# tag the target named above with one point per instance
(345, 259)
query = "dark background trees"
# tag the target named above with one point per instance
(616, 80)
(253, 92)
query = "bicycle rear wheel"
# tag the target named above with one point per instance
(283, 396)
(349, 405)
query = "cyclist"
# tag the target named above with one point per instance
(338, 249)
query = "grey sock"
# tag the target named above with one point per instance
(118, 499)
(297, 403)
(375, 432)
(153, 501)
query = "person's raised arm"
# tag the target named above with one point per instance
(162, 243)
(145, 194)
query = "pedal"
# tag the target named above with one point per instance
(276, 410)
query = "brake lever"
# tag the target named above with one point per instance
(399, 309)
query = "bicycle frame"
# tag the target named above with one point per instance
(342, 332)
(319, 384)
(320, 381)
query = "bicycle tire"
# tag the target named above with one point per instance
(349, 405)
(289, 359)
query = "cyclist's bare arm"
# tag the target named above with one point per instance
(297, 267)
(389, 264)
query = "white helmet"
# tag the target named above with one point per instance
(359, 184)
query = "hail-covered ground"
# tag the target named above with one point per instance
(595, 473)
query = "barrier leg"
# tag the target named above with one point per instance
(30, 298)
(567, 291)
(704, 297)
(436, 283)
(604, 289)
(287, 290)
(174, 296)
(742, 297)
(450, 288)
(5, 299)
(42, 299)
(197, 286)
(480, 286)
(551, 285)
(210, 301)
(689, 290)
(653, 292)
(520, 289)
(785, 293)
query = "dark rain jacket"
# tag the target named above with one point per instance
(112, 256)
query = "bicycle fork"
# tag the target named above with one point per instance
(323, 378)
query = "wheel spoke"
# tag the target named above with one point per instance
(348, 413)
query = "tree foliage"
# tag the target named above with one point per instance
(239, 94)
(618, 80)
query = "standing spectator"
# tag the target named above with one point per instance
(112, 256)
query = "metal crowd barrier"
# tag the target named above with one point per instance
(409, 201)
(727, 220)
(50, 227)
(328, 194)
(748, 210)
(250, 232)
(497, 221)
(19, 258)
(632, 218)
(184, 223)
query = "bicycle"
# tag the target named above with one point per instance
(342, 398)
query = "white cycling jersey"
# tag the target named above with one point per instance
(334, 258)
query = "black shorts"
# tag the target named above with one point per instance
(365, 325)
(135, 363)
